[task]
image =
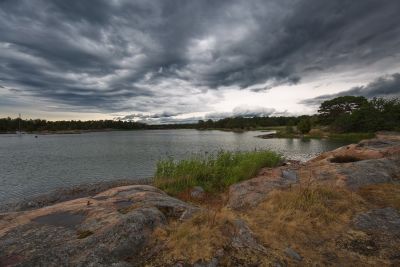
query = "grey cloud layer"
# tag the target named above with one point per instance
(169, 117)
(386, 86)
(116, 55)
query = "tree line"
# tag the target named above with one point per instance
(12, 125)
(342, 115)
(9, 125)
(248, 123)
(357, 114)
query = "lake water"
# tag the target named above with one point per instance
(31, 166)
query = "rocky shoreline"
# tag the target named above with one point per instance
(68, 193)
(340, 208)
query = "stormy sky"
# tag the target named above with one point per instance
(181, 60)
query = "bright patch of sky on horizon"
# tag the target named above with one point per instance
(184, 60)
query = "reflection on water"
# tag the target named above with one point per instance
(31, 166)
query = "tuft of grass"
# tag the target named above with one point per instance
(198, 238)
(84, 233)
(309, 219)
(213, 172)
(323, 203)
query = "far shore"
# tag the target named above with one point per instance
(270, 133)
(64, 131)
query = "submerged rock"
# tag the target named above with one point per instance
(102, 233)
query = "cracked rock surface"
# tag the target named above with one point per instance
(109, 228)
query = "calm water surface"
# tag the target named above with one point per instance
(30, 166)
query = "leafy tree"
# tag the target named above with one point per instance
(332, 109)
(304, 126)
(374, 115)
(343, 123)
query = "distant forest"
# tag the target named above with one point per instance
(342, 115)
(38, 125)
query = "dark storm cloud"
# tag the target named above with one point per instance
(290, 80)
(116, 55)
(386, 86)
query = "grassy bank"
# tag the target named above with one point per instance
(213, 172)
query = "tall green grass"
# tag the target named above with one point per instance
(214, 172)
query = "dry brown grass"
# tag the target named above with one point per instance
(311, 219)
(308, 219)
(382, 195)
(196, 239)
(212, 201)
